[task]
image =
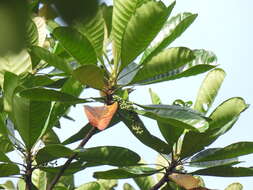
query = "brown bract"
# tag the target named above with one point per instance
(100, 116)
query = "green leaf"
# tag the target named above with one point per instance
(108, 184)
(122, 12)
(141, 29)
(173, 28)
(109, 155)
(39, 179)
(11, 81)
(51, 59)
(42, 30)
(127, 186)
(90, 75)
(222, 119)
(127, 74)
(166, 61)
(32, 35)
(170, 133)
(4, 158)
(50, 137)
(94, 31)
(72, 87)
(30, 118)
(15, 63)
(136, 126)
(124, 173)
(145, 183)
(52, 152)
(107, 16)
(5, 144)
(204, 61)
(175, 116)
(21, 184)
(43, 94)
(83, 131)
(9, 170)
(234, 186)
(225, 171)
(76, 44)
(231, 151)
(8, 185)
(89, 186)
(208, 90)
(205, 153)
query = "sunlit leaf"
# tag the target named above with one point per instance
(234, 186)
(186, 181)
(89, 186)
(208, 90)
(90, 75)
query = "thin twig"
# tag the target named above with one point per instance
(161, 182)
(71, 158)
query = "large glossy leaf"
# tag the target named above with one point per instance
(225, 171)
(222, 119)
(171, 31)
(107, 16)
(208, 90)
(51, 59)
(89, 186)
(204, 61)
(90, 75)
(176, 116)
(142, 28)
(205, 153)
(136, 126)
(83, 131)
(3, 157)
(76, 44)
(72, 87)
(231, 151)
(50, 137)
(166, 61)
(39, 179)
(94, 31)
(52, 152)
(30, 118)
(15, 63)
(8, 170)
(122, 12)
(123, 173)
(170, 133)
(43, 94)
(109, 155)
(127, 74)
(11, 81)
(32, 36)
(5, 144)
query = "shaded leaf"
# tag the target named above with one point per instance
(136, 126)
(9, 170)
(4, 158)
(208, 90)
(30, 119)
(52, 152)
(43, 94)
(51, 59)
(76, 44)
(123, 173)
(225, 171)
(100, 116)
(145, 183)
(90, 75)
(109, 155)
(231, 151)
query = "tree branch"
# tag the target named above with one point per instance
(161, 182)
(71, 158)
